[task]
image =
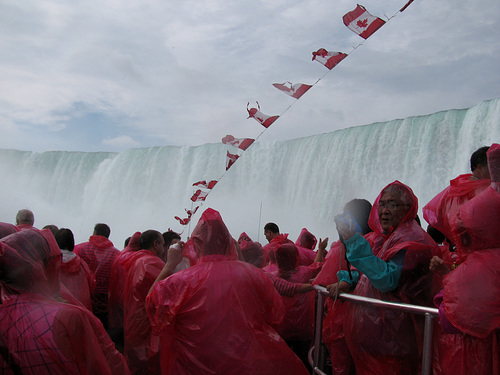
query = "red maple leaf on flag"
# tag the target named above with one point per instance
(362, 24)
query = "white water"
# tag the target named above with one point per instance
(299, 183)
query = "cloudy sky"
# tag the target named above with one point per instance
(94, 75)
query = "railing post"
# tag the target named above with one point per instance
(427, 349)
(318, 330)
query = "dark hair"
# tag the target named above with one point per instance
(271, 227)
(65, 239)
(360, 211)
(102, 229)
(127, 240)
(147, 238)
(53, 228)
(479, 157)
(435, 234)
(170, 235)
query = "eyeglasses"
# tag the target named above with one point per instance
(389, 205)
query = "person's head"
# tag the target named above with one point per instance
(244, 238)
(53, 228)
(360, 209)
(252, 253)
(26, 217)
(65, 239)
(393, 206)
(102, 229)
(271, 230)
(479, 163)
(127, 241)
(171, 238)
(152, 240)
(306, 239)
(287, 257)
(211, 236)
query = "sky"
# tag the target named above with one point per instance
(110, 75)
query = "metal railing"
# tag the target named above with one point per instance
(430, 313)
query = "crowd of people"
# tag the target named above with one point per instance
(216, 305)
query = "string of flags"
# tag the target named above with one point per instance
(361, 22)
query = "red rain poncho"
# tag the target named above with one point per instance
(116, 283)
(79, 279)
(252, 253)
(441, 211)
(6, 229)
(298, 324)
(141, 347)
(214, 317)
(387, 341)
(306, 244)
(38, 334)
(471, 295)
(99, 253)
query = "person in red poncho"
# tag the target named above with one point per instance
(214, 317)
(39, 335)
(392, 265)
(25, 219)
(6, 229)
(275, 238)
(115, 291)
(441, 211)
(99, 253)
(306, 242)
(75, 274)
(469, 305)
(141, 269)
(333, 329)
(297, 328)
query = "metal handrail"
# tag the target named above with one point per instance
(429, 312)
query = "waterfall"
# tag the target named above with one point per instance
(299, 183)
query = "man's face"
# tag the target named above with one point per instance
(269, 235)
(391, 210)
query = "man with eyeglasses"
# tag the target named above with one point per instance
(391, 264)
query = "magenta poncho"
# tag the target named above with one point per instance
(79, 279)
(40, 335)
(214, 317)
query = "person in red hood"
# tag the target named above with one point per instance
(306, 242)
(275, 238)
(215, 317)
(141, 269)
(392, 265)
(38, 334)
(441, 211)
(469, 304)
(75, 273)
(25, 219)
(99, 254)
(115, 291)
(6, 229)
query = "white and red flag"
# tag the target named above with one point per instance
(295, 91)
(241, 143)
(263, 119)
(183, 221)
(328, 59)
(362, 22)
(230, 160)
(192, 212)
(205, 185)
(199, 196)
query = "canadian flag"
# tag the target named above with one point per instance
(192, 212)
(263, 119)
(230, 160)
(205, 185)
(362, 22)
(199, 196)
(328, 59)
(295, 91)
(183, 221)
(241, 143)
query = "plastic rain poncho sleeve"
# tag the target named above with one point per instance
(56, 338)
(389, 341)
(214, 317)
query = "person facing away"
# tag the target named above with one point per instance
(99, 254)
(25, 219)
(215, 317)
(274, 239)
(441, 210)
(39, 335)
(75, 273)
(141, 270)
(469, 304)
(392, 265)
